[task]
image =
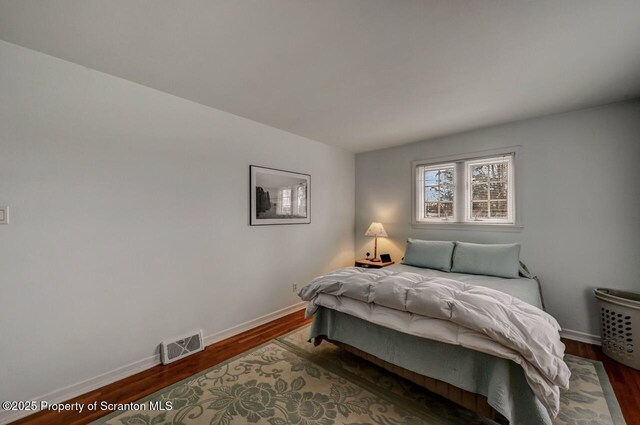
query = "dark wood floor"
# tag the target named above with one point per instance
(625, 381)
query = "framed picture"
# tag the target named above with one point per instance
(279, 197)
(385, 258)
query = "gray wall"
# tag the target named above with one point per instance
(129, 211)
(580, 199)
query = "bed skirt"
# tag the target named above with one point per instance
(494, 387)
(474, 402)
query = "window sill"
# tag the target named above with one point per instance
(476, 227)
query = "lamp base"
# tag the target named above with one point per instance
(376, 260)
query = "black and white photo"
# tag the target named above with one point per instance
(279, 197)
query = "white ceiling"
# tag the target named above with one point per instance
(361, 74)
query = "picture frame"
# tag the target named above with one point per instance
(385, 258)
(278, 196)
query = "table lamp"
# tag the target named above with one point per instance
(376, 230)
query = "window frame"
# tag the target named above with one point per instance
(420, 205)
(461, 218)
(468, 201)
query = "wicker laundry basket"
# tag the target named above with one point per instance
(620, 325)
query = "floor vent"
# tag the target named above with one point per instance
(175, 350)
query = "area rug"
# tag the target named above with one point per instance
(289, 381)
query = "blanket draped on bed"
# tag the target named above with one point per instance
(446, 310)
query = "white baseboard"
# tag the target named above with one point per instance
(74, 390)
(219, 336)
(580, 336)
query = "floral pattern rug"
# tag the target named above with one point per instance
(289, 381)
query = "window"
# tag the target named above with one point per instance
(466, 190)
(292, 201)
(436, 193)
(300, 204)
(489, 193)
(284, 201)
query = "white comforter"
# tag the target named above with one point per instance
(446, 310)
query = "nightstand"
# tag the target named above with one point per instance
(367, 264)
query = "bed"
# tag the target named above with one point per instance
(493, 386)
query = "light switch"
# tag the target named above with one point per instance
(4, 214)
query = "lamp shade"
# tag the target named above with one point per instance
(376, 229)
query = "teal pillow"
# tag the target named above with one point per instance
(502, 260)
(429, 254)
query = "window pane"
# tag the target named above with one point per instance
(446, 176)
(446, 209)
(489, 195)
(446, 192)
(302, 201)
(479, 173)
(498, 209)
(498, 172)
(431, 194)
(498, 191)
(479, 210)
(479, 192)
(431, 209)
(431, 177)
(286, 201)
(437, 188)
